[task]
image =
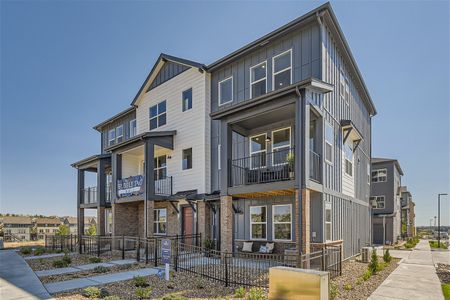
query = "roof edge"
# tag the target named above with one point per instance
(113, 118)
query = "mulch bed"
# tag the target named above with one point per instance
(443, 272)
(352, 270)
(182, 283)
(40, 264)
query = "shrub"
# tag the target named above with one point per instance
(66, 258)
(373, 262)
(334, 291)
(348, 287)
(92, 292)
(112, 298)
(125, 266)
(239, 292)
(25, 250)
(255, 294)
(39, 251)
(95, 260)
(381, 266)
(100, 269)
(173, 297)
(359, 281)
(387, 256)
(366, 276)
(60, 263)
(199, 284)
(143, 293)
(140, 281)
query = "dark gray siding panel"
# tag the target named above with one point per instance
(125, 121)
(168, 71)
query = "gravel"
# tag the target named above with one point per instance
(40, 264)
(443, 272)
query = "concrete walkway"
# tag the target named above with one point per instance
(67, 285)
(17, 279)
(45, 256)
(414, 278)
(82, 268)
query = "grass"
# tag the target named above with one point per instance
(446, 291)
(434, 245)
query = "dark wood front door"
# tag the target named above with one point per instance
(188, 223)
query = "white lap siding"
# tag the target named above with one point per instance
(192, 127)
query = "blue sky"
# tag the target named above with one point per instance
(66, 66)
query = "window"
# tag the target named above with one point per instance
(348, 153)
(368, 173)
(344, 89)
(377, 202)
(160, 220)
(282, 70)
(119, 134)
(329, 142)
(281, 143)
(133, 130)
(187, 99)
(328, 224)
(258, 151)
(282, 222)
(379, 175)
(111, 137)
(226, 91)
(258, 222)
(258, 82)
(219, 157)
(187, 159)
(160, 170)
(158, 115)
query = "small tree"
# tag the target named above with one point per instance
(387, 256)
(373, 262)
(92, 230)
(63, 230)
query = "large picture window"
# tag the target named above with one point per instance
(160, 221)
(281, 143)
(282, 70)
(329, 142)
(258, 151)
(378, 202)
(328, 223)
(258, 80)
(258, 222)
(282, 222)
(160, 170)
(379, 175)
(158, 116)
(226, 91)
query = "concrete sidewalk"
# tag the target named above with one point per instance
(17, 279)
(414, 278)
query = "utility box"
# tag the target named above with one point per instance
(292, 283)
(365, 254)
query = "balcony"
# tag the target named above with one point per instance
(263, 168)
(163, 187)
(314, 166)
(90, 195)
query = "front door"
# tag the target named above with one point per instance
(188, 224)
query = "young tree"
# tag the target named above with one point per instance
(63, 230)
(373, 262)
(92, 230)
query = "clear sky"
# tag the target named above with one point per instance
(66, 66)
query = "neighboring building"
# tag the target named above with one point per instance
(408, 228)
(270, 143)
(16, 228)
(46, 226)
(88, 222)
(386, 200)
(70, 222)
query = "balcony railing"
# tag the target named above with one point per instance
(263, 167)
(314, 166)
(108, 192)
(90, 195)
(163, 187)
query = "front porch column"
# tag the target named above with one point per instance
(226, 223)
(149, 205)
(116, 165)
(225, 156)
(306, 221)
(101, 196)
(80, 211)
(203, 217)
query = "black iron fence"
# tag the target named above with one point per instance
(263, 167)
(314, 166)
(61, 242)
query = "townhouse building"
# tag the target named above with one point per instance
(408, 213)
(386, 200)
(16, 228)
(268, 146)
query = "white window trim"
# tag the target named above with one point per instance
(157, 222)
(281, 71)
(328, 206)
(326, 142)
(273, 222)
(122, 135)
(371, 176)
(158, 114)
(156, 168)
(232, 87)
(192, 159)
(251, 223)
(254, 82)
(131, 128)
(259, 151)
(375, 198)
(282, 147)
(109, 138)
(219, 156)
(352, 161)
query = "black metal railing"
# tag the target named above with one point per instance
(90, 195)
(263, 167)
(314, 166)
(163, 187)
(61, 242)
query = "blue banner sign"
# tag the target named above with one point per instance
(131, 186)
(165, 251)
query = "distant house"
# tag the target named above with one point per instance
(71, 222)
(16, 228)
(46, 226)
(408, 213)
(88, 222)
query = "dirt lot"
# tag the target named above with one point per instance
(13, 245)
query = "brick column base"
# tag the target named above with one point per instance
(101, 221)
(150, 217)
(203, 216)
(226, 223)
(302, 214)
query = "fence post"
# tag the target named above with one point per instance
(71, 243)
(80, 246)
(323, 259)
(226, 269)
(155, 257)
(340, 260)
(146, 250)
(176, 256)
(138, 250)
(123, 247)
(61, 243)
(98, 245)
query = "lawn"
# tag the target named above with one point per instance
(446, 291)
(434, 245)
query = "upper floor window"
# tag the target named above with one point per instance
(329, 142)
(328, 223)
(379, 175)
(281, 143)
(258, 151)
(282, 70)
(282, 222)
(111, 137)
(226, 91)
(160, 220)
(258, 79)
(187, 99)
(258, 222)
(119, 134)
(187, 159)
(378, 202)
(158, 115)
(133, 129)
(160, 170)
(348, 152)
(344, 89)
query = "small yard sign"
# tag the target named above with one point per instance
(165, 256)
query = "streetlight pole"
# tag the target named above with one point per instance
(439, 218)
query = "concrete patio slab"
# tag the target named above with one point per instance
(67, 285)
(81, 268)
(123, 261)
(93, 266)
